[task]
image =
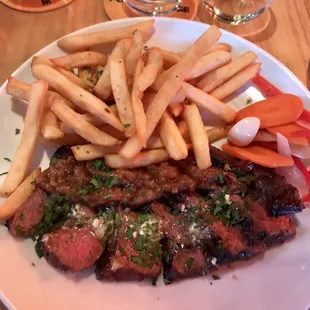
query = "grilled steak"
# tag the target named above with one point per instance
(75, 246)
(135, 253)
(94, 184)
(171, 216)
(25, 219)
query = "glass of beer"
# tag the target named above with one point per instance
(153, 7)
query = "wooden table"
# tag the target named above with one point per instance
(22, 34)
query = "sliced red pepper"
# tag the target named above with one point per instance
(302, 169)
(265, 87)
(305, 116)
(301, 133)
(306, 198)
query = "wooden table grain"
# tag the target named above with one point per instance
(22, 34)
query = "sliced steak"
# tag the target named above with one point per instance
(29, 215)
(73, 249)
(136, 253)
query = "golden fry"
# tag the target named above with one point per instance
(84, 41)
(171, 87)
(31, 132)
(16, 200)
(198, 136)
(142, 159)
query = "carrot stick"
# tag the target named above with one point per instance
(274, 111)
(258, 155)
(287, 131)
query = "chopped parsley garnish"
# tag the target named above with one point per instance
(95, 181)
(175, 212)
(215, 277)
(17, 131)
(247, 179)
(7, 159)
(221, 178)
(38, 249)
(129, 233)
(98, 74)
(249, 101)
(189, 262)
(139, 243)
(127, 125)
(99, 164)
(21, 217)
(225, 211)
(3, 173)
(54, 160)
(137, 260)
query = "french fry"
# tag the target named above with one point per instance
(236, 81)
(151, 71)
(31, 132)
(93, 151)
(147, 99)
(137, 105)
(221, 75)
(122, 95)
(50, 126)
(41, 60)
(175, 109)
(172, 138)
(209, 63)
(209, 103)
(142, 159)
(18, 89)
(84, 41)
(16, 200)
(171, 87)
(198, 136)
(80, 125)
(216, 47)
(67, 139)
(133, 55)
(103, 88)
(182, 126)
(73, 78)
(85, 75)
(218, 133)
(77, 95)
(169, 58)
(80, 60)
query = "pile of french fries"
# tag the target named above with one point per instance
(135, 107)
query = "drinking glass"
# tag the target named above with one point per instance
(236, 11)
(244, 17)
(153, 7)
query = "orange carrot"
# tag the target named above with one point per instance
(258, 155)
(287, 130)
(274, 111)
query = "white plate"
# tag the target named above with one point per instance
(279, 280)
